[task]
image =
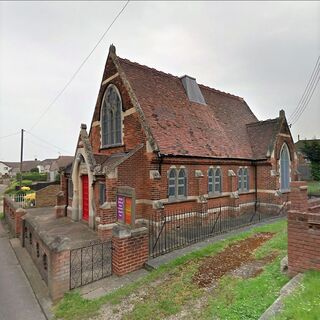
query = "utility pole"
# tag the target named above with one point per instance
(21, 158)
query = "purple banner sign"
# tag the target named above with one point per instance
(120, 207)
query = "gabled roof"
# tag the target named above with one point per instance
(182, 127)
(61, 162)
(262, 136)
(108, 163)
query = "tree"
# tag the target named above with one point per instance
(312, 150)
(34, 170)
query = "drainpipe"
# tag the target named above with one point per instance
(67, 197)
(160, 162)
(255, 186)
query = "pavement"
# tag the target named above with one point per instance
(17, 299)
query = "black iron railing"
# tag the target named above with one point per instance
(172, 230)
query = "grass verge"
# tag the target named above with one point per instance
(177, 290)
(304, 303)
(313, 188)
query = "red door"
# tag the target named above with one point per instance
(85, 198)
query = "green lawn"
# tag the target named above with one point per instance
(304, 303)
(170, 290)
(314, 188)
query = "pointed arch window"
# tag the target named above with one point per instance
(111, 124)
(177, 183)
(243, 180)
(284, 168)
(182, 183)
(214, 180)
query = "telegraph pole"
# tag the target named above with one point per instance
(21, 158)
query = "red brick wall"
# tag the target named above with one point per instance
(303, 231)
(129, 252)
(47, 196)
(13, 216)
(303, 241)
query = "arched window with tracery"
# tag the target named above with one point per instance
(111, 124)
(284, 168)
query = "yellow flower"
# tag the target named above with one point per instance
(25, 188)
(30, 196)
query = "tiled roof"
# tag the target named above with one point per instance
(181, 127)
(262, 135)
(109, 162)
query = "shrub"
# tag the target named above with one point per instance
(34, 176)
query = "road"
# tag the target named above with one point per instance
(17, 300)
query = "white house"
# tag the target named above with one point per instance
(4, 169)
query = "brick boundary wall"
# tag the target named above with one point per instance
(13, 216)
(56, 273)
(303, 231)
(47, 196)
(130, 249)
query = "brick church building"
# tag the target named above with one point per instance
(175, 144)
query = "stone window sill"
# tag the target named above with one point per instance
(245, 192)
(112, 146)
(179, 200)
(217, 195)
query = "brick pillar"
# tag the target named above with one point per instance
(60, 205)
(303, 241)
(18, 220)
(130, 249)
(59, 274)
(299, 196)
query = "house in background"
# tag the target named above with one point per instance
(304, 164)
(57, 165)
(44, 165)
(27, 165)
(5, 169)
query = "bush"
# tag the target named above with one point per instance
(315, 170)
(34, 170)
(15, 186)
(34, 176)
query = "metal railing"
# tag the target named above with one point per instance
(172, 230)
(22, 201)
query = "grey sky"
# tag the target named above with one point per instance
(264, 52)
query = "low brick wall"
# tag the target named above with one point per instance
(53, 266)
(13, 215)
(303, 241)
(47, 196)
(130, 249)
(303, 231)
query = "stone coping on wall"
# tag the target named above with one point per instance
(60, 234)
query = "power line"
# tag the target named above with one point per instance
(46, 142)
(43, 146)
(308, 91)
(307, 94)
(79, 68)
(9, 135)
(310, 96)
